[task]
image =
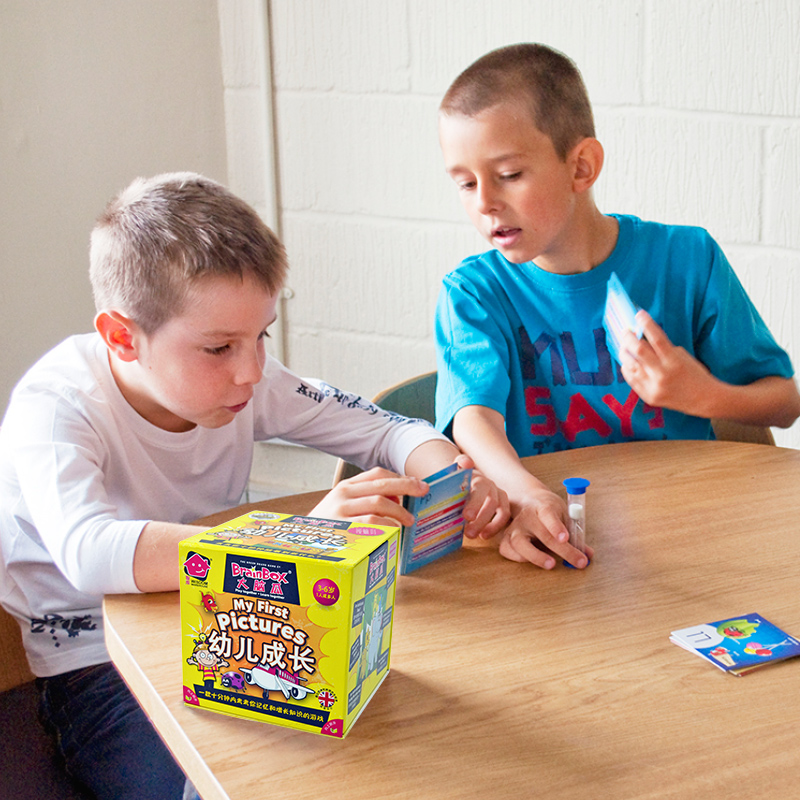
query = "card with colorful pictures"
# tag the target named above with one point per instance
(438, 526)
(738, 644)
(619, 316)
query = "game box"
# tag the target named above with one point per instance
(287, 619)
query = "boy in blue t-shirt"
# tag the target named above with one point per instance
(524, 367)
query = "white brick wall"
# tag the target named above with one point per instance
(697, 104)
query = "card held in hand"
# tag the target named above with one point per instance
(619, 316)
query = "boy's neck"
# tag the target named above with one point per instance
(124, 375)
(591, 242)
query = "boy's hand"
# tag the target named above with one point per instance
(486, 511)
(663, 375)
(374, 496)
(541, 521)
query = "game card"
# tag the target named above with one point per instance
(619, 316)
(738, 644)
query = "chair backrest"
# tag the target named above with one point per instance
(728, 431)
(416, 397)
(412, 398)
(14, 669)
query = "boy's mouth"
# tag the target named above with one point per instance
(237, 408)
(505, 235)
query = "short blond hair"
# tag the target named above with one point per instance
(162, 234)
(544, 80)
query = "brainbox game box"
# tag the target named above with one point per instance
(287, 619)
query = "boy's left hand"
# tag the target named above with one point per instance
(663, 375)
(486, 511)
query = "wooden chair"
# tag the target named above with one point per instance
(412, 398)
(29, 766)
(727, 431)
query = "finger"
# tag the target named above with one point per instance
(635, 350)
(553, 532)
(654, 333)
(496, 524)
(474, 507)
(517, 545)
(485, 517)
(464, 461)
(493, 517)
(576, 558)
(383, 482)
(375, 507)
(555, 537)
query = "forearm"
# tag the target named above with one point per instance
(667, 376)
(480, 433)
(430, 457)
(771, 401)
(155, 561)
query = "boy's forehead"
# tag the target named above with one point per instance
(496, 133)
(219, 305)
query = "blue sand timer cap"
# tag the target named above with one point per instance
(576, 485)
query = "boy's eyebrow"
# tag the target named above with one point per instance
(232, 334)
(492, 160)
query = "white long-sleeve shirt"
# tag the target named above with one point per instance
(82, 473)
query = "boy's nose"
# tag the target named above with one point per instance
(249, 369)
(487, 199)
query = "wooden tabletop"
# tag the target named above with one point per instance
(510, 682)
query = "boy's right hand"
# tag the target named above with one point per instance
(541, 520)
(374, 496)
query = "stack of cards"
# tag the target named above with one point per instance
(739, 644)
(438, 519)
(619, 316)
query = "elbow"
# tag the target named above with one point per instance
(790, 410)
(788, 417)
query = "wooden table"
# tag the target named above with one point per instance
(510, 682)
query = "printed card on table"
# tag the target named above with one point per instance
(438, 526)
(619, 316)
(739, 644)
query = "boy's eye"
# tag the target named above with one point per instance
(264, 334)
(510, 176)
(217, 351)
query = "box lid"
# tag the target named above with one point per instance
(293, 535)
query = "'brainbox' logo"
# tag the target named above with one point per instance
(258, 577)
(196, 566)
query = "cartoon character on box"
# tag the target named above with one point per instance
(233, 680)
(207, 662)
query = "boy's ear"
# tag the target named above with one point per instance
(117, 332)
(587, 157)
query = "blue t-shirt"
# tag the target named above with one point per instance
(531, 345)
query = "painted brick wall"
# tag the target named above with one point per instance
(697, 104)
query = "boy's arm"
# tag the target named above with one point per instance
(537, 513)
(376, 495)
(155, 560)
(667, 376)
(372, 496)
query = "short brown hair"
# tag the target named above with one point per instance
(545, 80)
(161, 234)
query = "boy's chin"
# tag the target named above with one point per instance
(514, 257)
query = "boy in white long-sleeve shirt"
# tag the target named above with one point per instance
(114, 441)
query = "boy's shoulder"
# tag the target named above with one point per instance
(481, 265)
(73, 367)
(651, 231)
